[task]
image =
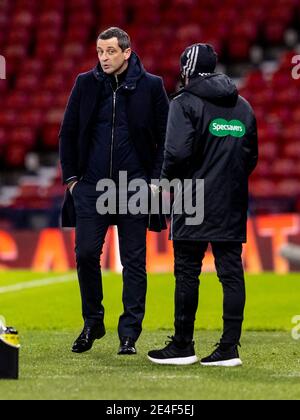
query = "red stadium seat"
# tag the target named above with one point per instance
(3, 139)
(52, 19)
(29, 82)
(189, 33)
(31, 118)
(8, 118)
(268, 150)
(17, 100)
(50, 136)
(296, 115)
(46, 52)
(24, 136)
(42, 100)
(15, 51)
(292, 150)
(239, 49)
(283, 168)
(245, 29)
(255, 81)
(83, 18)
(27, 4)
(15, 156)
(73, 50)
(63, 67)
(61, 100)
(23, 19)
(289, 188)
(291, 133)
(263, 97)
(262, 188)
(274, 32)
(33, 65)
(19, 35)
(77, 34)
(54, 83)
(49, 36)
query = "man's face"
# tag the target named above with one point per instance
(112, 59)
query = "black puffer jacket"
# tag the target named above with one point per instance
(212, 135)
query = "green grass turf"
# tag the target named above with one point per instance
(272, 302)
(50, 371)
(48, 319)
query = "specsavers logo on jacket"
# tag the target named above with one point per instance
(223, 128)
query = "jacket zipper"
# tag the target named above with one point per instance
(113, 127)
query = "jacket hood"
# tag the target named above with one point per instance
(216, 87)
(134, 73)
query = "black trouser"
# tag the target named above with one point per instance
(188, 265)
(90, 237)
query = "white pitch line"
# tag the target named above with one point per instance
(37, 283)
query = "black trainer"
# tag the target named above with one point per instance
(224, 356)
(174, 354)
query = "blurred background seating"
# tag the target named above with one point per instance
(46, 44)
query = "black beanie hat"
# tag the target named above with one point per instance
(198, 58)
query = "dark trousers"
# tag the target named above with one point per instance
(188, 265)
(90, 237)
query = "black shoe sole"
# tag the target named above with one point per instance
(81, 351)
(101, 335)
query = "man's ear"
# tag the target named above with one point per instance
(127, 53)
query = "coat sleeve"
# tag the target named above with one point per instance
(179, 141)
(68, 135)
(251, 147)
(161, 111)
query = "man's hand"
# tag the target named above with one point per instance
(71, 186)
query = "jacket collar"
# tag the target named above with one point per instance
(134, 73)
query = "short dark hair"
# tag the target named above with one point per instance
(122, 36)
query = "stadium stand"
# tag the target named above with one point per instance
(46, 44)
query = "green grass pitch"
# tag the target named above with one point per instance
(48, 319)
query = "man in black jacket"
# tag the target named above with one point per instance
(211, 136)
(115, 121)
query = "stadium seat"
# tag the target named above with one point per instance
(3, 139)
(22, 136)
(15, 156)
(283, 168)
(28, 82)
(17, 100)
(292, 150)
(289, 188)
(262, 188)
(30, 118)
(268, 151)
(8, 118)
(42, 101)
(34, 66)
(50, 136)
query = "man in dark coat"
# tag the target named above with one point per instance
(115, 121)
(211, 136)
